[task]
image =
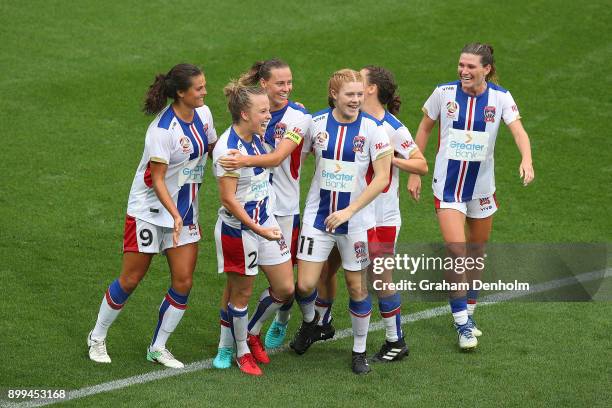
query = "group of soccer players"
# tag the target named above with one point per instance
(352, 209)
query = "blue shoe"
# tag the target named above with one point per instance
(224, 358)
(472, 325)
(275, 336)
(465, 338)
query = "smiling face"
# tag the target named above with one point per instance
(472, 73)
(258, 114)
(348, 100)
(278, 86)
(194, 96)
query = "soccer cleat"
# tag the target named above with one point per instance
(466, 339)
(97, 350)
(275, 336)
(257, 349)
(472, 325)
(360, 363)
(223, 359)
(324, 332)
(305, 336)
(391, 351)
(247, 365)
(164, 357)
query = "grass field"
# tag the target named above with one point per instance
(73, 78)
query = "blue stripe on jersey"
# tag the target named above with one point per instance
(194, 142)
(352, 130)
(232, 143)
(183, 204)
(166, 119)
(271, 128)
(392, 120)
(323, 211)
(453, 166)
(479, 125)
(250, 207)
(332, 129)
(197, 122)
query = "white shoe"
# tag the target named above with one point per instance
(472, 325)
(97, 350)
(164, 357)
(466, 338)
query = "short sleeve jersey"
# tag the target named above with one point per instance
(343, 153)
(183, 147)
(464, 168)
(386, 205)
(253, 189)
(290, 122)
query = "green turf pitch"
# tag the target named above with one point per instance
(72, 79)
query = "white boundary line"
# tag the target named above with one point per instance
(341, 334)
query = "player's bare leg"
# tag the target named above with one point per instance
(182, 261)
(134, 267)
(452, 227)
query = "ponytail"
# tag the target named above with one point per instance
(155, 99)
(167, 86)
(386, 86)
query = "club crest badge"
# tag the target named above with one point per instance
(279, 131)
(186, 145)
(489, 114)
(358, 143)
(360, 250)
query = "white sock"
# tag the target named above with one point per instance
(226, 340)
(307, 305)
(239, 321)
(360, 320)
(267, 307)
(171, 312)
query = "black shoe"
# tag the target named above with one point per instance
(360, 363)
(305, 336)
(391, 351)
(324, 332)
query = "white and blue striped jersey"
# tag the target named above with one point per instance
(386, 205)
(184, 148)
(343, 153)
(464, 168)
(253, 189)
(291, 122)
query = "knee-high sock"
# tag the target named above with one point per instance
(226, 340)
(239, 320)
(267, 307)
(324, 308)
(112, 303)
(472, 296)
(307, 305)
(284, 313)
(390, 310)
(171, 311)
(360, 319)
(459, 310)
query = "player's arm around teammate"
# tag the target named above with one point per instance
(470, 112)
(162, 213)
(247, 234)
(345, 143)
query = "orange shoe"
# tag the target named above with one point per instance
(248, 365)
(257, 348)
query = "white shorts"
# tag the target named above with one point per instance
(315, 245)
(242, 251)
(142, 236)
(477, 208)
(290, 227)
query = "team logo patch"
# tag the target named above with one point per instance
(282, 244)
(279, 131)
(321, 140)
(489, 114)
(452, 109)
(194, 231)
(360, 250)
(206, 128)
(358, 143)
(485, 201)
(186, 145)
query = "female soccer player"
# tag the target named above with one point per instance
(162, 213)
(247, 234)
(345, 142)
(284, 136)
(470, 111)
(380, 92)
